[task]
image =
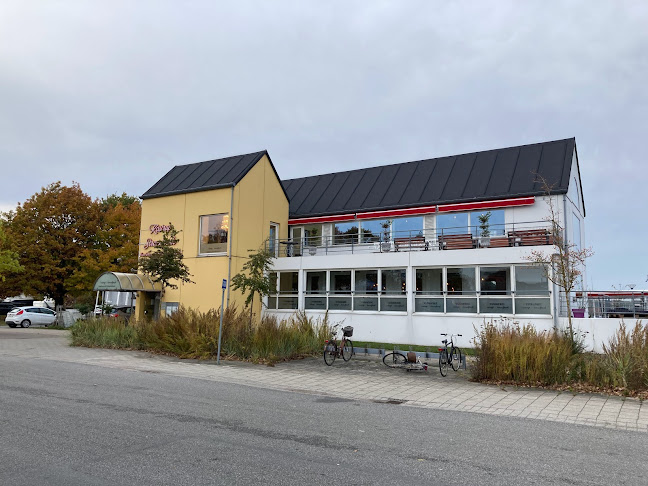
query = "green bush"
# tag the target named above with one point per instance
(192, 334)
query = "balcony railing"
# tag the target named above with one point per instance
(606, 304)
(531, 233)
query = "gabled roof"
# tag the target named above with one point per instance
(204, 176)
(489, 175)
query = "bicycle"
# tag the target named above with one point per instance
(410, 362)
(452, 357)
(345, 347)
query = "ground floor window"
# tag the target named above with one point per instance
(285, 290)
(171, 308)
(483, 290)
(489, 290)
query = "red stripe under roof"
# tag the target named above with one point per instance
(502, 203)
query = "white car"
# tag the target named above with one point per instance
(26, 316)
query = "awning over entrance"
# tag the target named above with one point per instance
(126, 282)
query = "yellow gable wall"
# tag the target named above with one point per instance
(257, 201)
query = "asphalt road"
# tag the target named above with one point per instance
(75, 424)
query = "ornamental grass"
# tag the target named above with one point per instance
(510, 353)
(192, 334)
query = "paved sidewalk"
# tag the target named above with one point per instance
(363, 378)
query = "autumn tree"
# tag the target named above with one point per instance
(48, 232)
(165, 262)
(8, 259)
(114, 246)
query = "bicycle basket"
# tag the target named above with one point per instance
(348, 331)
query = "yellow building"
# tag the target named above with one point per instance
(223, 209)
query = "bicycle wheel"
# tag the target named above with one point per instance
(395, 360)
(347, 350)
(330, 352)
(443, 362)
(455, 359)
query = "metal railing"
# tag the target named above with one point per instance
(606, 304)
(530, 233)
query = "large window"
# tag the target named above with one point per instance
(366, 290)
(429, 290)
(460, 223)
(373, 230)
(315, 290)
(313, 235)
(452, 223)
(340, 293)
(576, 228)
(493, 225)
(531, 290)
(495, 290)
(460, 285)
(408, 227)
(214, 230)
(393, 290)
(345, 233)
(285, 290)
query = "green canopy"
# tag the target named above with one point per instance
(126, 282)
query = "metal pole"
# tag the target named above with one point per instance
(220, 329)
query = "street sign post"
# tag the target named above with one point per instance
(220, 329)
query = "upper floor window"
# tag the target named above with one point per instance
(345, 233)
(214, 229)
(452, 223)
(408, 227)
(478, 223)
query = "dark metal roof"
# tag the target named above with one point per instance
(492, 174)
(204, 176)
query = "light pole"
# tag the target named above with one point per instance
(220, 329)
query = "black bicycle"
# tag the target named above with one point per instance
(410, 362)
(449, 354)
(345, 347)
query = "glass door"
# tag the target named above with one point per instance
(273, 242)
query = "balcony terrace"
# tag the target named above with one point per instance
(532, 233)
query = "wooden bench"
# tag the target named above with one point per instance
(456, 242)
(413, 243)
(499, 241)
(531, 237)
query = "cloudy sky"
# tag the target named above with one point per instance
(113, 94)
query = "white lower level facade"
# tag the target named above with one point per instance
(413, 297)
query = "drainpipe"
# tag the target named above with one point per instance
(231, 231)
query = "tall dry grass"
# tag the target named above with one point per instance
(521, 354)
(192, 334)
(626, 357)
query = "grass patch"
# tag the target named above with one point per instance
(192, 334)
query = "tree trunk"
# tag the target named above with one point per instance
(251, 309)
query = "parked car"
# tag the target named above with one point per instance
(5, 307)
(26, 316)
(121, 312)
